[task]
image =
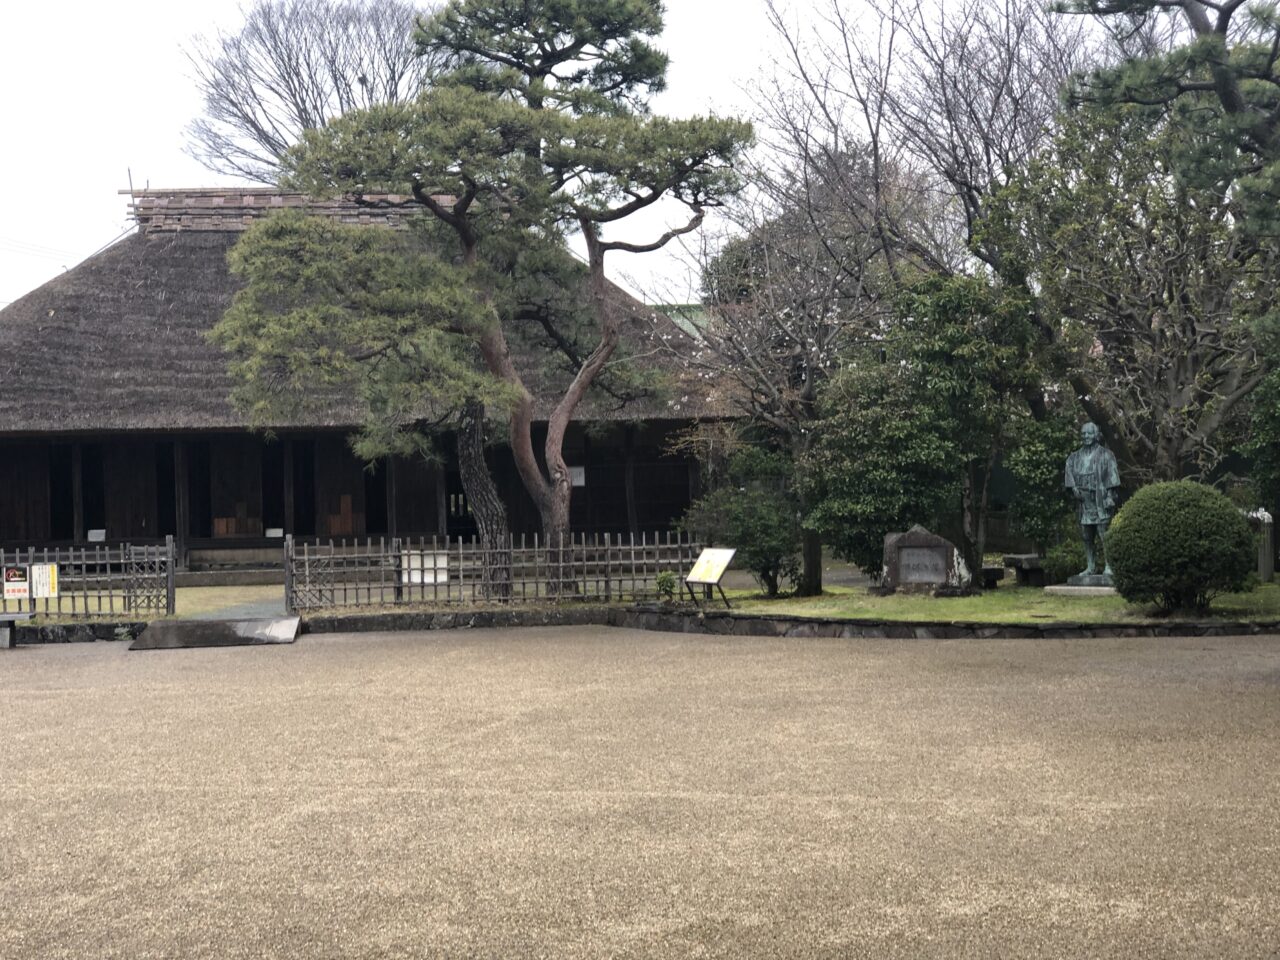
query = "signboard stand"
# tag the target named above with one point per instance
(708, 571)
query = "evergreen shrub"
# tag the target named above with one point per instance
(1179, 545)
(758, 513)
(1065, 560)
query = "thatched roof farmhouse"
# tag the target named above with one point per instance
(114, 411)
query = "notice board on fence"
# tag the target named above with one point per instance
(36, 581)
(711, 565)
(17, 585)
(44, 581)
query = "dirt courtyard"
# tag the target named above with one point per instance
(588, 792)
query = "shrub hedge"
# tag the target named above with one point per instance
(1179, 545)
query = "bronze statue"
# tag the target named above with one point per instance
(1092, 476)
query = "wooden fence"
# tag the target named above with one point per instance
(125, 580)
(443, 570)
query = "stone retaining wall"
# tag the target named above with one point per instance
(724, 623)
(727, 623)
(77, 632)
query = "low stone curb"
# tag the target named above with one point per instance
(461, 619)
(716, 622)
(26, 634)
(727, 623)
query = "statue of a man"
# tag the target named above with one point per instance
(1093, 478)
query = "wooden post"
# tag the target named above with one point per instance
(608, 568)
(391, 496)
(322, 522)
(289, 605)
(629, 478)
(181, 500)
(77, 492)
(287, 458)
(442, 499)
(170, 579)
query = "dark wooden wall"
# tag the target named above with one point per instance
(235, 486)
(129, 485)
(633, 484)
(417, 496)
(24, 492)
(216, 487)
(340, 482)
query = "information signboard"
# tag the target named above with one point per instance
(708, 570)
(44, 581)
(711, 565)
(16, 584)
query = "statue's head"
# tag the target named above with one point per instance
(1090, 434)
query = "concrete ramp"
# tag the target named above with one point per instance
(180, 634)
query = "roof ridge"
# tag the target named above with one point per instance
(233, 209)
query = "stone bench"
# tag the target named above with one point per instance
(991, 576)
(7, 623)
(1027, 567)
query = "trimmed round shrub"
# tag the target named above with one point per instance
(1179, 545)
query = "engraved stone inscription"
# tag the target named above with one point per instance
(922, 565)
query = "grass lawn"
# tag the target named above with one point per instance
(1005, 605)
(198, 601)
(1008, 604)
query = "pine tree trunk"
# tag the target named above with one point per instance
(486, 505)
(554, 511)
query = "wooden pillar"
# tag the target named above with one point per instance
(392, 529)
(442, 499)
(629, 477)
(77, 492)
(287, 457)
(322, 517)
(181, 501)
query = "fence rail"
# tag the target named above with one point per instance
(100, 581)
(443, 570)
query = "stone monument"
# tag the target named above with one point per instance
(921, 562)
(1093, 478)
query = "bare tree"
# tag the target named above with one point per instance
(881, 147)
(964, 94)
(807, 276)
(970, 97)
(293, 66)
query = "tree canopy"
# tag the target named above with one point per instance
(294, 65)
(1220, 74)
(916, 423)
(580, 56)
(538, 132)
(1160, 298)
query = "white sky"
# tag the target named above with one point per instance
(94, 90)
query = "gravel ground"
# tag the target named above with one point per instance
(591, 793)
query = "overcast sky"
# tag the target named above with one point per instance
(95, 90)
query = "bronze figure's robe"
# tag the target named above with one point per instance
(1092, 471)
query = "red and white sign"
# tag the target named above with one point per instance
(16, 584)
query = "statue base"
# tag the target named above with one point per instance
(1090, 580)
(1062, 590)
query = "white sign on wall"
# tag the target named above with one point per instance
(424, 566)
(578, 476)
(44, 581)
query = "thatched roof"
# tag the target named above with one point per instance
(118, 343)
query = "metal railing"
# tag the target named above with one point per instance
(125, 580)
(433, 571)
